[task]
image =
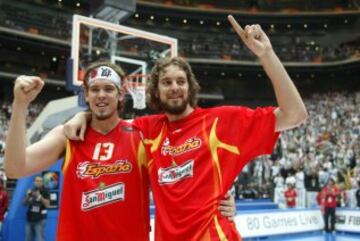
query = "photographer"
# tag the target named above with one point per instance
(37, 200)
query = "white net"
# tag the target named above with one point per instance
(135, 85)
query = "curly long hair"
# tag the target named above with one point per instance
(152, 89)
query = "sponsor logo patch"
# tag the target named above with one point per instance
(95, 170)
(103, 196)
(128, 128)
(189, 145)
(174, 174)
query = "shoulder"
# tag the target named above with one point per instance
(127, 127)
(241, 110)
(225, 109)
(155, 117)
(146, 121)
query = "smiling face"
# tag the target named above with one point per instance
(173, 90)
(103, 98)
(174, 70)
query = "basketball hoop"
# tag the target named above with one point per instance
(135, 85)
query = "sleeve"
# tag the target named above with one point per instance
(253, 130)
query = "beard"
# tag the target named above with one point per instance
(103, 116)
(174, 109)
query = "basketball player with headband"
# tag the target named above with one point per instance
(196, 153)
(105, 192)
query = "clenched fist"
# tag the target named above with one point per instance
(27, 88)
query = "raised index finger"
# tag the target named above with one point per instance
(240, 31)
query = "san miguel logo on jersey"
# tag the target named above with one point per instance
(190, 144)
(102, 196)
(97, 169)
(176, 173)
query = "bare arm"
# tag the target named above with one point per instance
(291, 111)
(20, 161)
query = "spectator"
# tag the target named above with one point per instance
(290, 195)
(4, 201)
(37, 200)
(249, 192)
(357, 195)
(342, 197)
(328, 199)
(312, 182)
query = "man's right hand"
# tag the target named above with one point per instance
(75, 128)
(26, 89)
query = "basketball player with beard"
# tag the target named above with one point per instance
(105, 192)
(195, 153)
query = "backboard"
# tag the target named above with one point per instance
(133, 49)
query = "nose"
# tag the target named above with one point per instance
(174, 85)
(101, 93)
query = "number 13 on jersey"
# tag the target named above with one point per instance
(103, 151)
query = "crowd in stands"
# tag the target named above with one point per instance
(5, 114)
(326, 146)
(18, 16)
(195, 42)
(265, 5)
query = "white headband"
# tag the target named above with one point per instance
(104, 73)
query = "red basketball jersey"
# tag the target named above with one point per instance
(290, 197)
(105, 193)
(194, 161)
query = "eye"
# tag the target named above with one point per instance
(181, 81)
(166, 82)
(94, 89)
(109, 89)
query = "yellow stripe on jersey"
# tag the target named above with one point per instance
(141, 155)
(67, 157)
(214, 144)
(155, 143)
(219, 230)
